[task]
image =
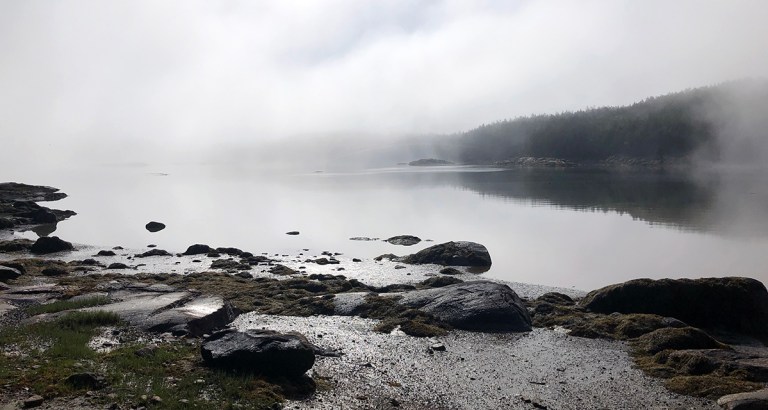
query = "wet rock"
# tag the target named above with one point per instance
(231, 251)
(7, 273)
(356, 260)
(325, 261)
(153, 252)
(51, 244)
(282, 270)
(260, 351)
(118, 265)
(15, 245)
(89, 262)
(480, 306)
(452, 254)
(292, 233)
(155, 226)
(54, 271)
(243, 275)
(735, 304)
(450, 271)
(106, 253)
(399, 267)
(198, 249)
(388, 256)
(440, 281)
(90, 381)
(676, 339)
(229, 264)
(404, 240)
(756, 400)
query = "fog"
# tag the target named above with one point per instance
(134, 81)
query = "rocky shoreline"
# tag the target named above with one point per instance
(223, 327)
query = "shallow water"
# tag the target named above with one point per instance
(581, 229)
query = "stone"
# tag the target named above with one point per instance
(292, 233)
(15, 245)
(88, 381)
(229, 264)
(198, 249)
(730, 303)
(51, 244)
(155, 226)
(356, 260)
(388, 256)
(117, 265)
(479, 306)
(153, 252)
(756, 400)
(676, 339)
(260, 351)
(282, 270)
(404, 240)
(33, 401)
(450, 271)
(54, 271)
(452, 254)
(7, 273)
(106, 253)
(440, 281)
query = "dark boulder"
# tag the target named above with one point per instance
(7, 273)
(405, 240)
(117, 265)
(292, 233)
(259, 351)
(198, 249)
(106, 253)
(440, 281)
(15, 245)
(450, 271)
(153, 252)
(54, 271)
(51, 244)
(229, 264)
(452, 254)
(87, 381)
(556, 298)
(388, 256)
(155, 226)
(480, 306)
(735, 304)
(282, 270)
(230, 251)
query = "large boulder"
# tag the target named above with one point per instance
(452, 254)
(736, 304)
(480, 306)
(50, 244)
(197, 249)
(259, 351)
(154, 226)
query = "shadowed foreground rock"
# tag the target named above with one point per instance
(756, 400)
(260, 351)
(452, 254)
(735, 304)
(480, 306)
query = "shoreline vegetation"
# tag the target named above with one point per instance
(80, 334)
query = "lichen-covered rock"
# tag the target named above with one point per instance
(480, 306)
(259, 351)
(732, 303)
(452, 254)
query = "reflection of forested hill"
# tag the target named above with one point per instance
(652, 197)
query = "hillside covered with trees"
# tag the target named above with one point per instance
(702, 122)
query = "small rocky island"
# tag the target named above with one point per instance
(430, 162)
(83, 327)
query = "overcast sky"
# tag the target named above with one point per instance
(120, 73)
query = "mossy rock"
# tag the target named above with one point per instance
(676, 339)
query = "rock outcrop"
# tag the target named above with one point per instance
(51, 244)
(452, 254)
(735, 304)
(259, 351)
(479, 306)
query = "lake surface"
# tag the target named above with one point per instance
(582, 229)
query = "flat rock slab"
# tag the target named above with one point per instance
(480, 306)
(756, 400)
(176, 312)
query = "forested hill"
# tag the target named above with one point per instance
(668, 127)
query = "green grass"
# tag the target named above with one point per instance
(63, 305)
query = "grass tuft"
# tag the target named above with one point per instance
(62, 305)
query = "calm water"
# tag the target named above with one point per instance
(581, 229)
